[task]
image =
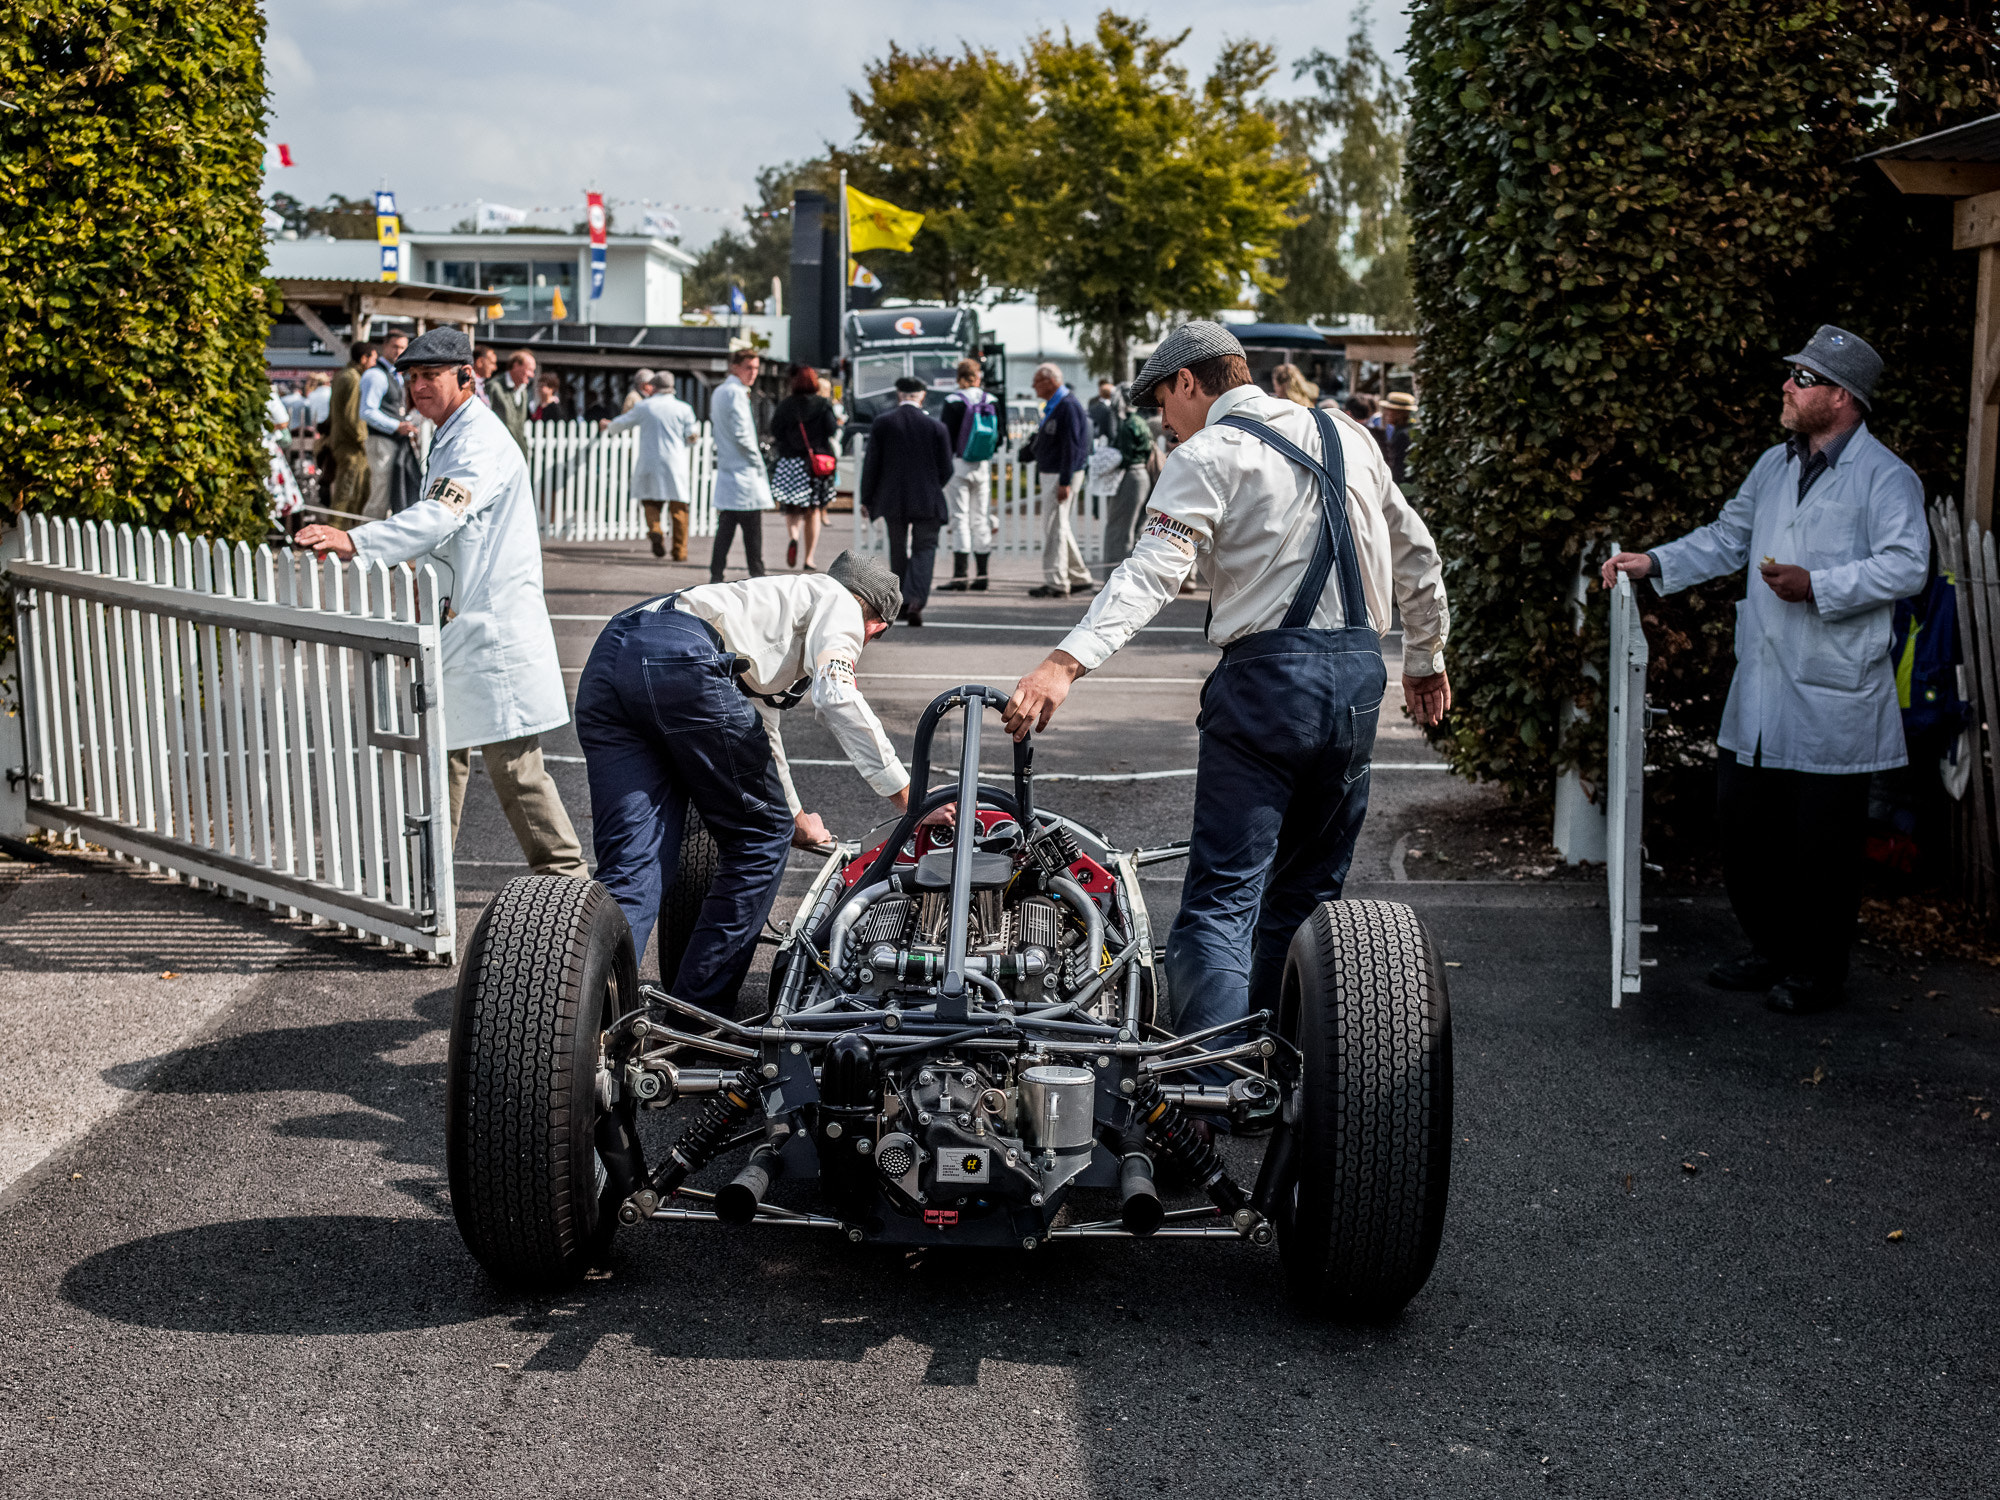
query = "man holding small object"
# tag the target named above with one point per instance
(1836, 522)
(475, 523)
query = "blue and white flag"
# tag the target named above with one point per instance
(736, 302)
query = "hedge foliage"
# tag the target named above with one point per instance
(1625, 215)
(132, 306)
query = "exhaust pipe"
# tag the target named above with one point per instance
(738, 1202)
(1140, 1209)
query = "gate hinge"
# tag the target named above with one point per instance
(18, 774)
(420, 697)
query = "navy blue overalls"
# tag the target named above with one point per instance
(662, 721)
(1287, 729)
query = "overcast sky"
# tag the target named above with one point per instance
(531, 103)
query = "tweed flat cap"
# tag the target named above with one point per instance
(870, 580)
(441, 346)
(1189, 344)
(1844, 358)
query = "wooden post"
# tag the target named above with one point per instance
(1983, 433)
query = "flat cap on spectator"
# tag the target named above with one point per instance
(441, 346)
(1844, 358)
(642, 377)
(1189, 344)
(870, 580)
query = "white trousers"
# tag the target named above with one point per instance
(1062, 560)
(969, 527)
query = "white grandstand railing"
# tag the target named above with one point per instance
(262, 722)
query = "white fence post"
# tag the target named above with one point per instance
(583, 482)
(1625, 786)
(264, 722)
(14, 730)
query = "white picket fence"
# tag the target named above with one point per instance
(264, 722)
(583, 493)
(583, 482)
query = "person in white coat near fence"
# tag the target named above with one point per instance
(475, 522)
(667, 425)
(1829, 531)
(742, 485)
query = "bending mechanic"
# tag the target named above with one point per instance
(1288, 717)
(679, 705)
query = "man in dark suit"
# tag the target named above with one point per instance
(902, 483)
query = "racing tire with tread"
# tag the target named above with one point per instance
(1365, 1000)
(550, 965)
(680, 907)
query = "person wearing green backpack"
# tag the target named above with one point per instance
(1133, 438)
(973, 423)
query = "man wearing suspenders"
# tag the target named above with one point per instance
(1288, 716)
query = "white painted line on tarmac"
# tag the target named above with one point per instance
(964, 625)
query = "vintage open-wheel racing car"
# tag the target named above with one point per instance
(966, 1043)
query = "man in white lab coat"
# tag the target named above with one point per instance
(742, 485)
(667, 426)
(1834, 524)
(475, 524)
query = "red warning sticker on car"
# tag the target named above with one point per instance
(943, 1218)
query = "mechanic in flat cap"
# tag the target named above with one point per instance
(679, 707)
(475, 523)
(1832, 523)
(1300, 592)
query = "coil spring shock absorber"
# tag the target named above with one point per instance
(1172, 1132)
(720, 1118)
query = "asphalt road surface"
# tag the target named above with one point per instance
(1667, 1267)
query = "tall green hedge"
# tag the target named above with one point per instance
(1624, 216)
(132, 306)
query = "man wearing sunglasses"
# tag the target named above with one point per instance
(1833, 524)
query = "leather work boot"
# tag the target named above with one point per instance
(1795, 995)
(979, 562)
(1747, 972)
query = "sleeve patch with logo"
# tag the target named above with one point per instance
(838, 672)
(1177, 533)
(451, 494)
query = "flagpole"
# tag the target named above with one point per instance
(840, 340)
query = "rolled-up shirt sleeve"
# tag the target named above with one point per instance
(1185, 508)
(1419, 576)
(834, 647)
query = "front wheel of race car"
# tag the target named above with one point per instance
(550, 966)
(1364, 999)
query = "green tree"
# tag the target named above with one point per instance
(339, 218)
(132, 306)
(939, 134)
(1348, 252)
(1137, 195)
(1624, 216)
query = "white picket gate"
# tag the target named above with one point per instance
(261, 721)
(583, 482)
(1625, 788)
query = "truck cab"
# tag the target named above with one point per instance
(885, 344)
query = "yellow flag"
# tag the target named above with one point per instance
(556, 309)
(875, 224)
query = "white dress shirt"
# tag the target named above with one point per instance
(790, 626)
(741, 482)
(377, 384)
(476, 520)
(666, 426)
(1249, 517)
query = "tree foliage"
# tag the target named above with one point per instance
(1625, 214)
(132, 309)
(339, 218)
(1348, 252)
(1138, 195)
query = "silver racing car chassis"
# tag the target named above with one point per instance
(969, 1041)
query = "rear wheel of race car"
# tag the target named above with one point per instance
(1364, 998)
(680, 907)
(550, 965)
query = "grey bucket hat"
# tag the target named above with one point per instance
(1844, 358)
(870, 580)
(441, 346)
(1189, 344)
